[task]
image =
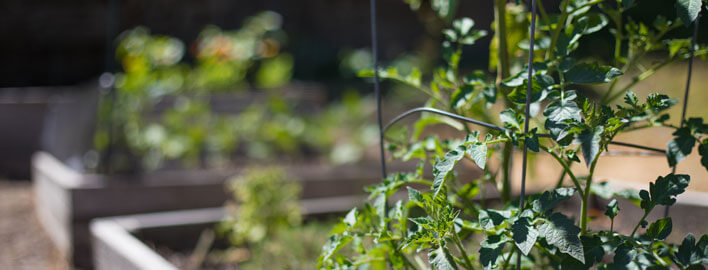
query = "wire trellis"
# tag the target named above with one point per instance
(532, 30)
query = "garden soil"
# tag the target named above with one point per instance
(23, 243)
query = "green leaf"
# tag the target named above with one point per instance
(680, 146)
(602, 189)
(490, 219)
(612, 209)
(685, 250)
(524, 234)
(478, 153)
(443, 167)
(594, 252)
(624, 256)
(664, 190)
(445, 8)
(539, 90)
(564, 108)
(463, 25)
(591, 23)
(660, 229)
(511, 119)
(551, 198)
(590, 144)
(461, 96)
(531, 141)
(562, 233)
(703, 151)
(490, 249)
(692, 253)
(592, 245)
(333, 245)
(660, 102)
(687, 10)
(591, 73)
(351, 218)
(415, 196)
(441, 258)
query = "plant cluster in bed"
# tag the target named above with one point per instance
(161, 108)
(433, 226)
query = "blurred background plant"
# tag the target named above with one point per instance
(264, 224)
(161, 110)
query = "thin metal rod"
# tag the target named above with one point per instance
(440, 112)
(688, 87)
(491, 126)
(377, 92)
(639, 147)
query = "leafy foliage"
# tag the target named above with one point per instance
(437, 221)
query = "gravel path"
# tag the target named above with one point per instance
(23, 243)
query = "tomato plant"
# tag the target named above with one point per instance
(435, 225)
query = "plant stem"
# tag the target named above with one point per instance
(559, 27)
(561, 178)
(586, 195)
(458, 243)
(640, 78)
(566, 168)
(506, 261)
(646, 213)
(507, 153)
(618, 35)
(502, 48)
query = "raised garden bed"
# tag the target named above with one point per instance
(120, 242)
(67, 200)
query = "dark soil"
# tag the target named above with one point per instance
(23, 243)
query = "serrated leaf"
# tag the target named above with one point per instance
(551, 198)
(703, 151)
(489, 219)
(594, 252)
(687, 10)
(443, 167)
(539, 90)
(524, 234)
(563, 109)
(664, 190)
(334, 244)
(490, 249)
(591, 23)
(351, 218)
(680, 146)
(685, 250)
(660, 229)
(532, 142)
(478, 153)
(510, 118)
(415, 196)
(590, 144)
(461, 96)
(586, 73)
(692, 253)
(562, 233)
(624, 257)
(441, 259)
